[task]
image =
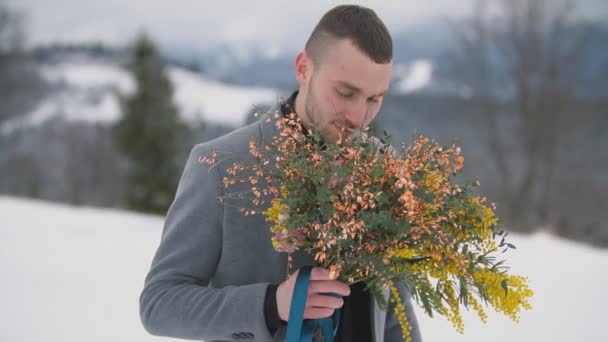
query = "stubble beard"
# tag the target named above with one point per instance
(313, 114)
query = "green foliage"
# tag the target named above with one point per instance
(150, 134)
(381, 217)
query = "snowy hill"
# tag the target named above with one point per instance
(419, 76)
(87, 88)
(74, 274)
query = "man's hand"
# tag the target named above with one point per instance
(317, 305)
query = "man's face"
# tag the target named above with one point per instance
(344, 91)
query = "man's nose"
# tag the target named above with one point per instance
(355, 116)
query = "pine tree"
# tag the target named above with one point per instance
(150, 134)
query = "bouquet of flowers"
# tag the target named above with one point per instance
(373, 213)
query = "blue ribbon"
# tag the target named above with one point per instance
(300, 329)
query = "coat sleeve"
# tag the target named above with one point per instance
(177, 300)
(392, 332)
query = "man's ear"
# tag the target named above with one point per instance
(303, 68)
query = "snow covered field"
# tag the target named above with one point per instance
(75, 274)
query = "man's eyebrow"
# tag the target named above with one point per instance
(350, 86)
(357, 89)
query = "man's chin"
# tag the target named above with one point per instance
(332, 133)
(341, 132)
(335, 137)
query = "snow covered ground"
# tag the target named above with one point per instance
(74, 274)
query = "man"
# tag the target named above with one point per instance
(215, 275)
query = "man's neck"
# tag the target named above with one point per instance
(295, 103)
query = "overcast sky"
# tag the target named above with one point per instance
(201, 23)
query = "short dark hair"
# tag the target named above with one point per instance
(359, 24)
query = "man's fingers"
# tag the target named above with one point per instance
(328, 286)
(319, 273)
(317, 313)
(323, 301)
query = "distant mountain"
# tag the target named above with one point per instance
(420, 53)
(222, 85)
(87, 83)
(270, 66)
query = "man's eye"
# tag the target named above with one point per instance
(345, 95)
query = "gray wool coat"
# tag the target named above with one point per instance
(208, 277)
